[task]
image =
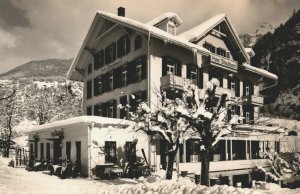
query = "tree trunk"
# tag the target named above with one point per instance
(205, 159)
(171, 157)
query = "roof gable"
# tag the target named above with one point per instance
(78, 64)
(166, 16)
(200, 31)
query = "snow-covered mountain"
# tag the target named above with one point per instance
(250, 39)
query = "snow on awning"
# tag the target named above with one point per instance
(261, 128)
(259, 71)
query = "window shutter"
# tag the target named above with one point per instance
(178, 68)
(200, 77)
(96, 61)
(238, 110)
(132, 103)
(104, 109)
(114, 51)
(164, 66)
(117, 77)
(251, 89)
(96, 90)
(229, 82)
(114, 108)
(244, 87)
(119, 48)
(131, 70)
(144, 67)
(127, 44)
(107, 57)
(105, 82)
(188, 71)
(237, 87)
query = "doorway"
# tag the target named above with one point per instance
(57, 151)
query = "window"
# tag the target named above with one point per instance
(255, 150)
(90, 68)
(110, 152)
(99, 60)
(42, 151)
(123, 109)
(171, 66)
(221, 52)
(111, 108)
(238, 149)
(218, 151)
(216, 75)
(98, 110)
(123, 46)
(89, 110)
(139, 70)
(130, 152)
(68, 150)
(192, 150)
(248, 114)
(48, 151)
(98, 86)
(136, 99)
(89, 89)
(124, 75)
(110, 53)
(248, 88)
(110, 81)
(78, 152)
(138, 42)
(171, 29)
(209, 47)
(234, 84)
(234, 110)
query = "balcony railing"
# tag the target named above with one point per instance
(176, 82)
(219, 92)
(254, 100)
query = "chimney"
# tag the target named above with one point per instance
(121, 11)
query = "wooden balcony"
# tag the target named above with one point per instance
(174, 82)
(253, 100)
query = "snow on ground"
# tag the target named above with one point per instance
(18, 180)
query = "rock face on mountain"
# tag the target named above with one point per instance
(250, 39)
(279, 52)
(43, 68)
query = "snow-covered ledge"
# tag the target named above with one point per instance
(259, 71)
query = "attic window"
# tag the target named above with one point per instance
(171, 29)
(209, 47)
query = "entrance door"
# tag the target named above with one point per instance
(57, 151)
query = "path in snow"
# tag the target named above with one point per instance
(18, 180)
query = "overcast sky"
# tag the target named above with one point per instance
(43, 29)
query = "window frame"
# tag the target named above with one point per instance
(139, 70)
(110, 151)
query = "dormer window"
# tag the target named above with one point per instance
(171, 29)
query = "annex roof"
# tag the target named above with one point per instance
(152, 31)
(81, 119)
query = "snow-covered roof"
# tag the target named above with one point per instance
(82, 119)
(135, 25)
(168, 15)
(200, 30)
(250, 52)
(259, 71)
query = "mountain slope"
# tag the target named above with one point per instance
(279, 52)
(43, 68)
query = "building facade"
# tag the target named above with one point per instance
(122, 62)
